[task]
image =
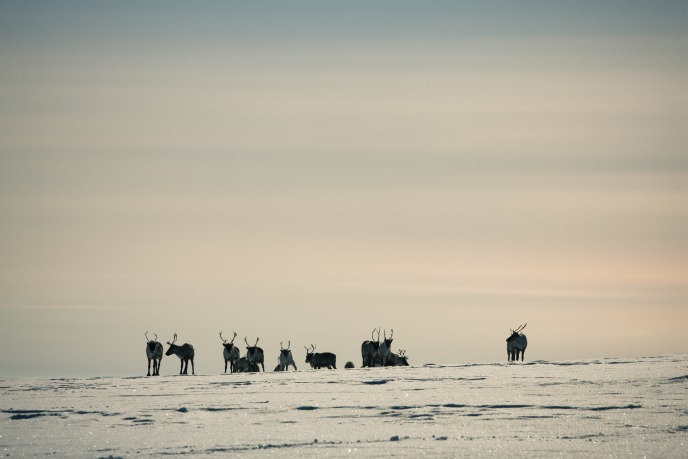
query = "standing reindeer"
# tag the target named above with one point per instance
(154, 353)
(516, 343)
(285, 358)
(185, 352)
(320, 359)
(230, 353)
(370, 348)
(254, 356)
(385, 350)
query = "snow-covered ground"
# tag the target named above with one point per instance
(608, 407)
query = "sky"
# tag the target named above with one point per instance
(308, 171)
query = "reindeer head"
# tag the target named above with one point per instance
(283, 351)
(170, 351)
(151, 342)
(309, 353)
(388, 341)
(228, 344)
(250, 350)
(516, 333)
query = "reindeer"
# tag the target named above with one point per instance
(370, 348)
(319, 360)
(254, 355)
(230, 353)
(154, 353)
(242, 365)
(285, 358)
(185, 352)
(398, 360)
(516, 343)
(385, 350)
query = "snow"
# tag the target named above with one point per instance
(607, 407)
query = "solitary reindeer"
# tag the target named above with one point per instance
(230, 353)
(385, 350)
(254, 355)
(398, 360)
(516, 343)
(285, 358)
(185, 352)
(370, 348)
(319, 360)
(154, 353)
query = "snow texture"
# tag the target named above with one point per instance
(608, 407)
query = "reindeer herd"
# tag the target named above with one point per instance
(374, 353)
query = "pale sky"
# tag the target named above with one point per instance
(308, 171)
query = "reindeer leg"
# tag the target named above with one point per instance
(193, 370)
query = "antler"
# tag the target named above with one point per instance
(378, 334)
(313, 347)
(256, 342)
(390, 336)
(520, 329)
(147, 336)
(281, 347)
(288, 344)
(246, 341)
(235, 335)
(156, 336)
(223, 340)
(174, 340)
